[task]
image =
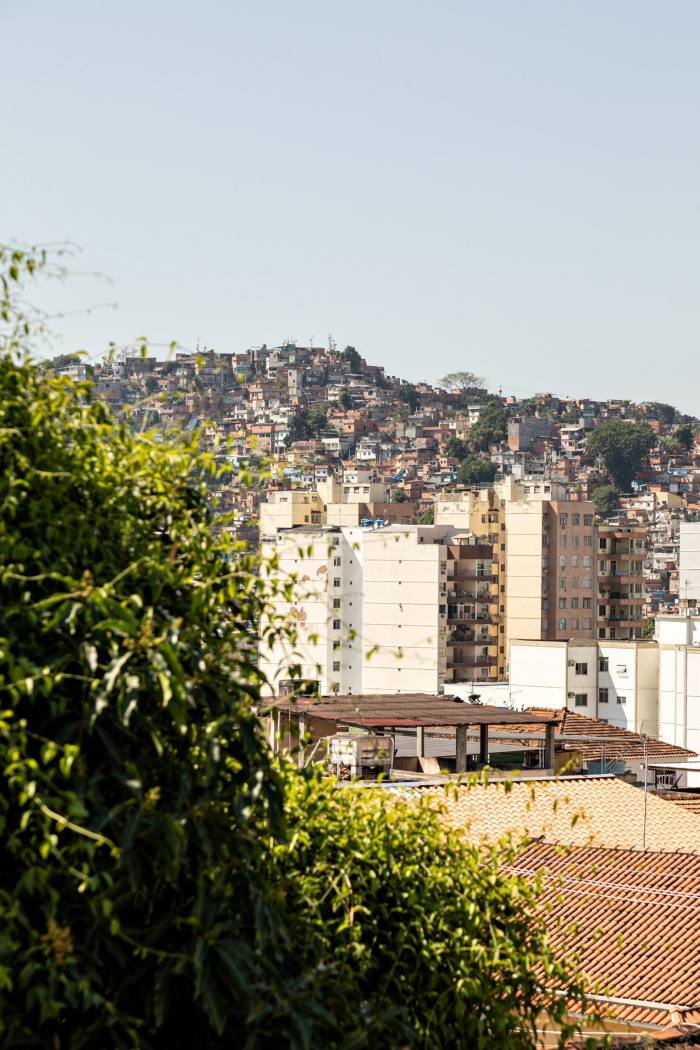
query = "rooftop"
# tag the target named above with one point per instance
(409, 710)
(633, 916)
(574, 811)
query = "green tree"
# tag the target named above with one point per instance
(649, 628)
(351, 360)
(623, 447)
(605, 499)
(344, 399)
(409, 396)
(491, 427)
(462, 380)
(165, 882)
(426, 516)
(151, 384)
(456, 447)
(474, 471)
(318, 419)
(685, 435)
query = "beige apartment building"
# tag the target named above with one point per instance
(544, 558)
(621, 581)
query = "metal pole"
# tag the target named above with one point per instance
(646, 785)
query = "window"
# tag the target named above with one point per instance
(581, 700)
(586, 561)
(587, 520)
(582, 668)
(337, 561)
(603, 696)
(603, 663)
(587, 623)
(587, 603)
(574, 623)
(563, 520)
(336, 581)
(562, 624)
(574, 541)
(336, 625)
(622, 699)
(562, 541)
(562, 603)
(575, 519)
(574, 583)
(622, 670)
(586, 583)
(574, 561)
(562, 562)
(562, 583)
(336, 665)
(336, 603)
(588, 541)
(574, 603)
(336, 645)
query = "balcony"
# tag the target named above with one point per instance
(467, 616)
(472, 661)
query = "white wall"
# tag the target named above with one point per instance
(689, 561)
(538, 674)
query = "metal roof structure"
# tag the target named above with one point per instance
(407, 710)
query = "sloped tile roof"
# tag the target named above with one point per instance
(618, 743)
(634, 919)
(576, 811)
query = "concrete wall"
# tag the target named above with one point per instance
(689, 561)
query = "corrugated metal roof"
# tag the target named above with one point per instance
(409, 710)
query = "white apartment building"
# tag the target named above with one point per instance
(370, 608)
(611, 680)
(678, 639)
(689, 563)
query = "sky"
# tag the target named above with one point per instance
(507, 187)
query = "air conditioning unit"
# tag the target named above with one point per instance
(572, 663)
(571, 695)
(360, 757)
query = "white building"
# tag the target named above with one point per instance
(370, 607)
(614, 681)
(689, 563)
(678, 639)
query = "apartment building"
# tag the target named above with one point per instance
(621, 581)
(384, 610)
(288, 508)
(616, 681)
(689, 563)
(544, 557)
(678, 639)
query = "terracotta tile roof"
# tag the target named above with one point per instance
(634, 918)
(687, 800)
(619, 743)
(575, 811)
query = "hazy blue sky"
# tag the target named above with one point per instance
(510, 187)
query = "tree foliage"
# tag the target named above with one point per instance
(474, 470)
(462, 380)
(456, 447)
(165, 882)
(605, 500)
(623, 447)
(351, 359)
(491, 427)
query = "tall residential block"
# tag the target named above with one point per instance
(389, 610)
